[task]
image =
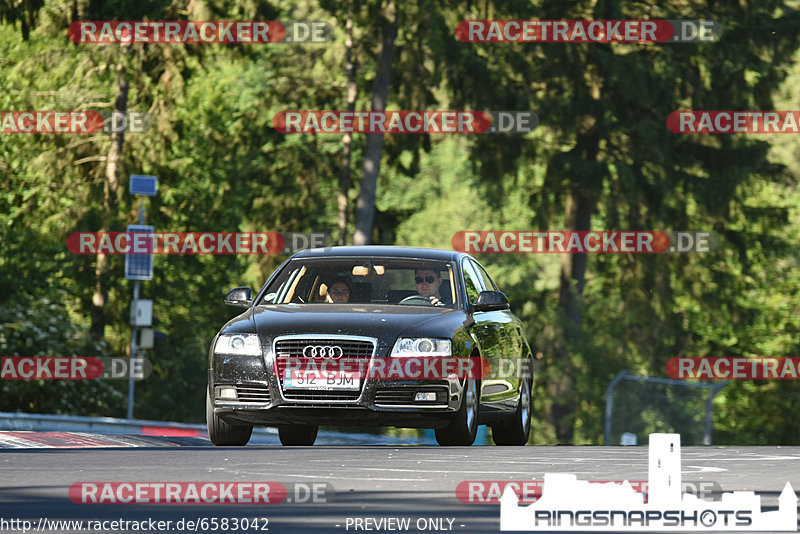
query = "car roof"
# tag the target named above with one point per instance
(382, 251)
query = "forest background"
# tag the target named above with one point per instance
(601, 158)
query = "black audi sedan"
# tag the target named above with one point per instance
(374, 335)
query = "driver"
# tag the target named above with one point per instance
(428, 283)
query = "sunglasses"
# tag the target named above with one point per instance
(420, 279)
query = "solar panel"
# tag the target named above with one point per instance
(139, 266)
(143, 184)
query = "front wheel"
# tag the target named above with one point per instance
(464, 427)
(516, 431)
(222, 433)
(300, 435)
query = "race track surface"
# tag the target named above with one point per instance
(416, 483)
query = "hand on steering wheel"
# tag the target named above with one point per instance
(420, 299)
(417, 300)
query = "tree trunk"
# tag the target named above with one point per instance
(578, 217)
(110, 199)
(573, 266)
(352, 91)
(365, 208)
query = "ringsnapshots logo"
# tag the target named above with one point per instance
(405, 122)
(200, 32)
(567, 504)
(588, 31)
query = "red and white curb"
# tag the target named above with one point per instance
(84, 440)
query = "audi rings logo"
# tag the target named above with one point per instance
(323, 351)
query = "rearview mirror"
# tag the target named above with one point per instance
(491, 301)
(368, 270)
(239, 297)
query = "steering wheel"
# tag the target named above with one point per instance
(416, 300)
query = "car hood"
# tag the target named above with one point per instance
(384, 322)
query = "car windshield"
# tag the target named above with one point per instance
(407, 282)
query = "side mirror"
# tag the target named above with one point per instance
(491, 301)
(239, 297)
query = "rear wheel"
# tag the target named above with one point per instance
(222, 433)
(464, 427)
(516, 431)
(300, 435)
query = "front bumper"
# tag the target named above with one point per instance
(257, 405)
(262, 399)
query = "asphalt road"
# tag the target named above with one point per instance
(417, 483)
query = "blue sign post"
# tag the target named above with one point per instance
(143, 184)
(138, 266)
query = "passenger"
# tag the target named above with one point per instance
(339, 291)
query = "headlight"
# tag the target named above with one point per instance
(240, 344)
(421, 346)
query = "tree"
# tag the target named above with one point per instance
(365, 208)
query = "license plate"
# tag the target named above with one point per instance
(331, 380)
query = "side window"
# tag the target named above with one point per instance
(276, 296)
(486, 281)
(471, 282)
(288, 290)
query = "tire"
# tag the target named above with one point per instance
(518, 430)
(464, 427)
(224, 434)
(298, 435)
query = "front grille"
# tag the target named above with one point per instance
(252, 393)
(394, 396)
(352, 348)
(321, 396)
(405, 396)
(293, 348)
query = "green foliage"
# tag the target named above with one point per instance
(222, 167)
(43, 327)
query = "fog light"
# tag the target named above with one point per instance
(226, 393)
(425, 396)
